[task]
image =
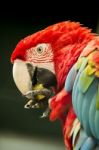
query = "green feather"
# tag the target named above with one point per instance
(97, 99)
(83, 65)
(85, 81)
(81, 60)
(76, 129)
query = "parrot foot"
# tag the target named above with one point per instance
(28, 104)
(39, 99)
(31, 94)
(45, 113)
(35, 106)
(31, 104)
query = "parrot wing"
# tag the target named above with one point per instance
(83, 82)
(85, 92)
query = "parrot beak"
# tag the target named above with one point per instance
(34, 83)
(26, 76)
(21, 76)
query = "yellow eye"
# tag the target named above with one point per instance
(40, 49)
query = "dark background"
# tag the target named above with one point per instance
(15, 24)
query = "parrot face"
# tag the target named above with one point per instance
(35, 78)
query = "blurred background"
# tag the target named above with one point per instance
(20, 128)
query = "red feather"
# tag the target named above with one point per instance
(67, 127)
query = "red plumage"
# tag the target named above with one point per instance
(67, 39)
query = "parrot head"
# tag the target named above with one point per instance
(35, 75)
(42, 60)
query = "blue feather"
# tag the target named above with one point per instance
(70, 79)
(92, 115)
(87, 99)
(82, 138)
(75, 92)
(97, 123)
(89, 144)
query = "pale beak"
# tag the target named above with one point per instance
(32, 80)
(21, 76)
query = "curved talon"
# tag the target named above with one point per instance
(28, 104)
(35, 106)
(46, 113)
(26, 107)
(43, 116)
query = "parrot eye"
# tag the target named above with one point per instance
(39, 49)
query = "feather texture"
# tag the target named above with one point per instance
(85, 95)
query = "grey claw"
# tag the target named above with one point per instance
(35, 106)
(26, 107)
(46, 113)
(28, 104)
(43, 116)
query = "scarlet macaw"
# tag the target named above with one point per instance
(41, 64)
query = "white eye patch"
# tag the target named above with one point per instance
(42, 53)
